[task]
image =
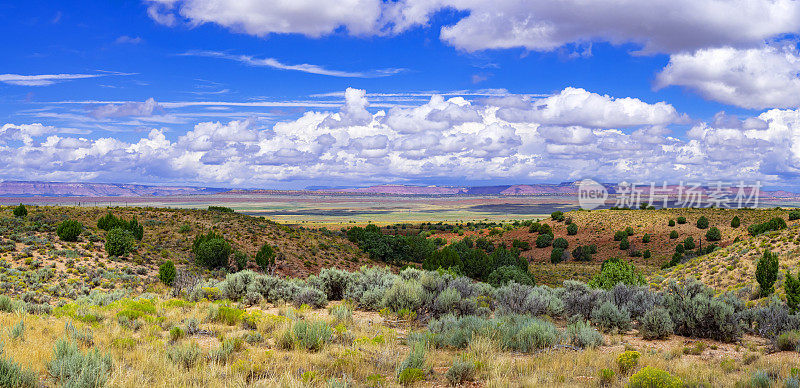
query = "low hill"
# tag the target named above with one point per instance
(85, 189)
(34, 260)
(733, 268)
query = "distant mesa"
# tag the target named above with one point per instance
(66, 189)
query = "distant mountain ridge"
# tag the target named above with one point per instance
(78, 189)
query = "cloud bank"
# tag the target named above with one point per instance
(570, 135)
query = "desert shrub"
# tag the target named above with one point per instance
(309, 296)
(312, 335)
(544, 240)
(20, 211)
(688, 243)
(511, 332)
(184, 355)
(69, 230)
(572, 229)
(681, 220)
(403, 294)
(638, 300)
(211, 250)
(680, 248)
(545, 229)
(265, 258)
(460, 372)
(12, 375)
(646, 254)
(624, 244)
(166, 272)
(235, 285)
(533, 335)
(583, 252)
(775, 223)
(368, 286)
(542, 300)
(226, 349)
(673, 234)
(608, 317)
(767, 272)
(230, 316)
(579, 299)
(769, 320)
(735, 222)
(713, 234)
(696, 312)
(72, 367)
(649, 377)
(792, 288)
(627, 361)
(334, 282)
(416, 358)
(760, 379)
(510, 298)
(109, 222)
(794, 215)
(240, 260)
(557, 216)
(646, 238)
(702, 222)
(6, 304)
(615, 271)
(789, 340)
(509, 273)
(119, 242)
(620, 235)
(671, 223)
(557, 255)
(656, 324)
(341, 313)
(582, 335)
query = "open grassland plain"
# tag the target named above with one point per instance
(337, 211)
(259, 303)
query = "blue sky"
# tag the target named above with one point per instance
(253, 93)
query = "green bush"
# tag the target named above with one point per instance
(20, 211)
(69, 230)
(521, 245)
(404, 294)
(119, 242)
(72, 367)
(220, 209)
(646, 254)
(656, 324)
(702, 222)
(509, 273)
(696, 312)
(681, 220)
(572, 229)
(688, 243)
(767, 272)
(671, 223)
(673, 234)
(614, 271)
(265, 258)
(409, 376)
(166, 273)
(557, 216)
(560, 243)
(788, 341)
(557, 255)
(649, 377)
(713, 234)
(211, 250)
(624, 244)
(794, 215)
(620, 235)
(109, 221)
(680, 249)
(607, 377)
(460, 372)
(792, 288)
(735, 222)
(775, 223)
(646, 238)
(627, 361)
(544, 240)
